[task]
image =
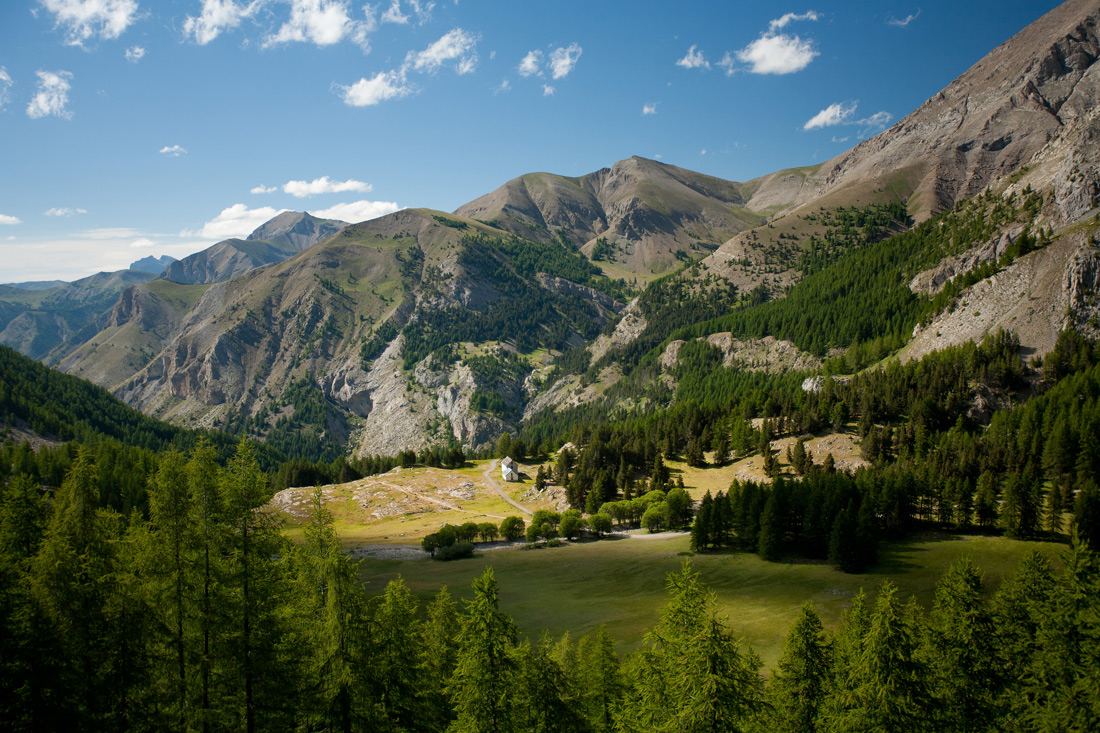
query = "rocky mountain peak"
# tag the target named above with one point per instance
(296, 228)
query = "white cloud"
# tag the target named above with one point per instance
(843, 113)
(727, 64)
(693, 60)
(173, 151)
(649, 109)
(135, 54)
(217, 17)
(530, 64)
(323, 23)
(52, 96)
(5, 87)
(110, 233)
(423, 12)
(10, 220)
(505, 86)
(236, 221)
(382, 86)
(357, 211)
(142, 243)
(906, 21)
(782, 22)
(58, 211)
(563, 60)
(778, 54)
(302, 189)
(85, 20)
(547, 90)
(265, 189)
(875, 123)
(456, 45)
(394, 14)
(834, 114)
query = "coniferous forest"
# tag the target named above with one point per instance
(203, 617)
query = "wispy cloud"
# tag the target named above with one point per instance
(357, 211)
(456, 45)
(52, 96)
(142, 243)
(834, 114)
(265, 189)
(547, 90)
(303, 189)
(104, 233)
(135, 54)
(693, 60)
(63, 212)
(173, 151)
(394, 14)
(88, 20)
(531, 64)
(382, 86)
(5, 88)
(10, 220)
(783, 21)
(649, 108)
(905, 21)
(564, 60)
(505, 86)
(217, 16)
(843, 113)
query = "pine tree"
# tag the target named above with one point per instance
(691, 674)
(959, 646)
(395, 634)
(330, 613)
(482, 686)
(599, 678)
(888, 687)
(542, 684)
(438, 652)
(170, 510)
(701, 529)
(802, 679)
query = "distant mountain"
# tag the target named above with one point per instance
(37, 321)
(279, 239)
(423, 327)
(152, 264)
(652, 216)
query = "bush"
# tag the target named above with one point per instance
(600, 524)
(512, 528)
(455, 551)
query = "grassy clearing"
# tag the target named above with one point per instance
(620, 583)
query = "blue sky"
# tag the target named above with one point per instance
(134, 127)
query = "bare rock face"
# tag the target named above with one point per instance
(1031, 297)
(934, 279)
(767, 354)
(629, 327)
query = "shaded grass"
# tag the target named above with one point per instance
(620, 583)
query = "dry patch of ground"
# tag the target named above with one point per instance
(404, 505)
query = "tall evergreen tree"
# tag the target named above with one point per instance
(959, 646)
(801, 681)
(483, 683)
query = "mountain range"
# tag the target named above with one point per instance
(557, 293)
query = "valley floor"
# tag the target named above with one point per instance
(621, 582)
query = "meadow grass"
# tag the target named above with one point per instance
(621, 583)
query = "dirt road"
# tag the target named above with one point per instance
(488, 474)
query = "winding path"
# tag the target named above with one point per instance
(488, 474)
